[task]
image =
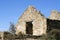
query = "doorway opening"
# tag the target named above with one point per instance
(29, 28)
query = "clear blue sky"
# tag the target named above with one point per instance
(11, 10)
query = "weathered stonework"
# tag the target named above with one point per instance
(1, 35)
(38, 21)
(32, 22)
(55, 15)
(53, 24)
(5, 36)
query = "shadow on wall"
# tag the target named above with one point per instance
(53, 24)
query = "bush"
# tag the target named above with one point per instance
(55, 33)
(47, 37)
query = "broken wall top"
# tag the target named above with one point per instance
(55, 15)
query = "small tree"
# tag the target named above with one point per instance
(12, 28)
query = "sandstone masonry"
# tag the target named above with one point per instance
(33, 22)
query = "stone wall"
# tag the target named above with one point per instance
(38, 21)
(1, 35)
(55, 15)
(53, 24)
(5, 36)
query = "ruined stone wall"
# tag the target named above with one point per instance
(1, 35)
(38, 21)
(53, 24)
(54, 15)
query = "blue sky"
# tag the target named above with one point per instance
(11, 10)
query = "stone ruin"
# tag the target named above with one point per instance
(33, 22)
